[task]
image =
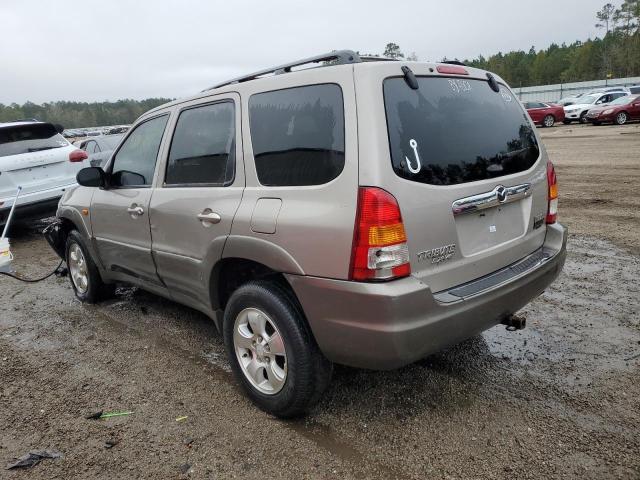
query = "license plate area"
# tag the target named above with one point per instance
(492, 227)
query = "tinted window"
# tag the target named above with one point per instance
(135, 162)
(203, 146)
(36, 137)
(452, 131)
(298, 135)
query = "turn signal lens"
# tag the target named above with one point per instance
(552, 181)
(380, 250)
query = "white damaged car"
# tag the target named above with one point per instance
(578, 111)
(35, 156)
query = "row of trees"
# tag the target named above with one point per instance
(616, 54)
(81, 114)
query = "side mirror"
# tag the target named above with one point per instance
(91, 177)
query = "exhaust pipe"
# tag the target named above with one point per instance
(514, 322)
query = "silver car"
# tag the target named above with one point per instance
(367, 213)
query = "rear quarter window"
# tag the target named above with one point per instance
(452, 130)
(297, 135)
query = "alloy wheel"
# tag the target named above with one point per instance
(549, 121)
(621, 118)
(260, 350)
(78, 268)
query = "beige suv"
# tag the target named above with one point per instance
(364, 212)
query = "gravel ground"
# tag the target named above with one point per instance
(559, 399)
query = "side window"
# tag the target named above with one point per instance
(88, 146)
(298, 135)
(96, 147)
(203, 146)
(527, 105)
(135, 162)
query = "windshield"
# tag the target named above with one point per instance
(588, 99)
(112, 141)
(33, 137)
(452, 131)
(622, 100)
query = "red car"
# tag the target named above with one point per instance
(620, 111)
(544, 114)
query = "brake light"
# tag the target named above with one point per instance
(78, 156)
(552, 181)
(452, 69)
(380, 249)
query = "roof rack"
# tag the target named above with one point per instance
(337, 57)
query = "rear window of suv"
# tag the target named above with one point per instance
(18, 139)
(451, 131)
(297, 135)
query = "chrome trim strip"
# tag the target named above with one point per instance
(495, 197)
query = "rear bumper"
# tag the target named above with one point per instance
(388, 325)
(31, 211)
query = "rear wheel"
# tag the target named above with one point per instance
(549, 121)
(621, 118)
(272, 351)
(83, 273)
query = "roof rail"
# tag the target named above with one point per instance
(341, 57)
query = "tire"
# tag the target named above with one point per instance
(83, 273)
(583, 117)
(287, 383)
(566, 122)
(621, 118)
(548, 121)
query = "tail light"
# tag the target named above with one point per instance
(78, 156)
(380, 249)
(552, 181)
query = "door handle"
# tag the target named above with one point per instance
(135, 211)
(208, 217)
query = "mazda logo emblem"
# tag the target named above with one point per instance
(501, 192)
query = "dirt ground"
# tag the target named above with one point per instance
(560, 399)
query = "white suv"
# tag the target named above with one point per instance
(35, 156)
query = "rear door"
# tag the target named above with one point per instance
(120, 213)
(199, 191)
(464, 163)
(36, 157)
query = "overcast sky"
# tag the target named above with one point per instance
(90, 50)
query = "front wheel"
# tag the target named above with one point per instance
(583, 117)
(83, 273)
(621, 118)
(272, 352)
(549, 121)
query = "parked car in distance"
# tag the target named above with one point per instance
(544, 114)
(620, 111)
(578, 111)
(565, 101)
(366, 213)
(100, 148)
(634, 89)
(35, 156)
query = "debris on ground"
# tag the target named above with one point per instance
(181, 419)
(33, 458)
(112, 442)
(184, 468)
(101, 414)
